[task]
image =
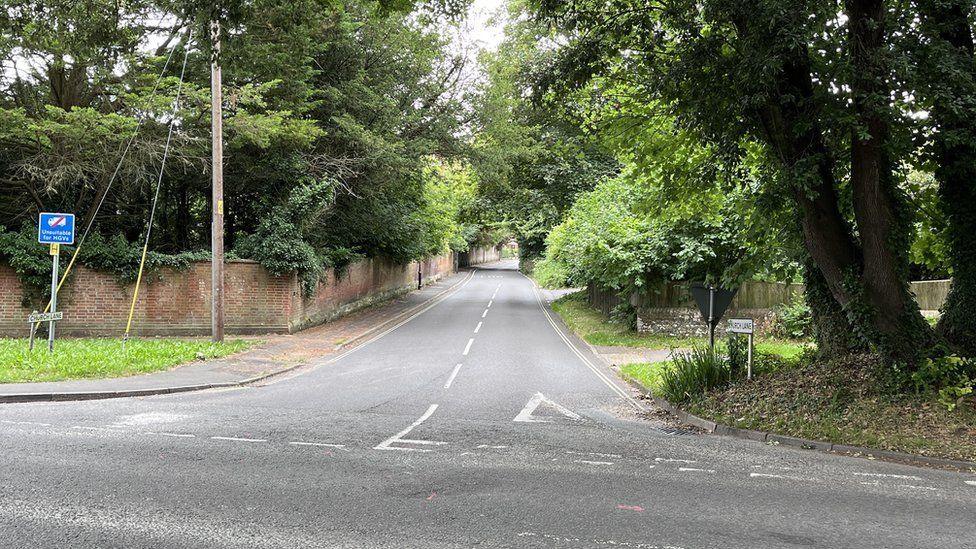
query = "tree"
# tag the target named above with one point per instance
(813, 90)
(948, 81)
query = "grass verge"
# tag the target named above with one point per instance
(103, 357)
(795, 395)
(841, 402)
(596, 329)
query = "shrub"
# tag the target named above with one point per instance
(952, 378)
(693, 373)
(793, 320)
(550, 274)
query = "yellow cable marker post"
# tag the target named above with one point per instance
(159, 183)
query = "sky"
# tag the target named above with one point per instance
(481, 31)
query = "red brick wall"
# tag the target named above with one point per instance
(362, 283)
(175, 302)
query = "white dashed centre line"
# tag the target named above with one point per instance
(695, 470)
(588, 462)
(320, 444)
(454, 374)
(239, 439)
(490, 301)
(478, 327)
(467, 348)
(971, 482)
(484, 313)
(175, 435)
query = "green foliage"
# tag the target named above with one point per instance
(952, 378)
(333, 113)
(278, 246)
(693, 373)
(793, 320)
(550, 274)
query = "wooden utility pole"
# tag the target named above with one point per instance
(217, 227)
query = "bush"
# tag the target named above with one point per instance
(953, 378)
(550, 274)
(693, 373)
(793, 320)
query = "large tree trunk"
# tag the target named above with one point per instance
(950, 72)
(888, 308)
(832, 330)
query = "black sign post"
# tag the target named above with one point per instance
(712, 301)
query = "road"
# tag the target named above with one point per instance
(473, 424)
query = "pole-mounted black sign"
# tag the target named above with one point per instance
(712, 302)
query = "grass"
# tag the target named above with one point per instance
(795, 395)
(102, 357)
(596, 329)
(842, 402)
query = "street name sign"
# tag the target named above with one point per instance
(741, 325)
(45, 317)
(56, 228)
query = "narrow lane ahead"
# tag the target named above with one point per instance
(474, 423)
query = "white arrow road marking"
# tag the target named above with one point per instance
(525, 416)
(398, 438)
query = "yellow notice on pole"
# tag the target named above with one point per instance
(55, 249)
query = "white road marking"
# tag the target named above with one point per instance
(588, 462)
(490, 301)
(586, 361)
(433, 302)
(39, 424)
(454, 374)
(674, 460)
(468, 347)
(90, 428)
(478, 327)
(929, 488)
(421, 442)
(572, 453)
(493, 447)
(385, 445)
(322, 444)
(782, 477)
(484, 314)
(239, 439)
(883, 475)
(695, 470)
(553, 539)
(175, 435)
(525, 416)
(971, 482)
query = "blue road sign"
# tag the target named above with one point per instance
(56, 228)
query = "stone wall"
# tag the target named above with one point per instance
(671, 310)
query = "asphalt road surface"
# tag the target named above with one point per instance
(474, 424)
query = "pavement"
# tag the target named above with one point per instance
(479, 422)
